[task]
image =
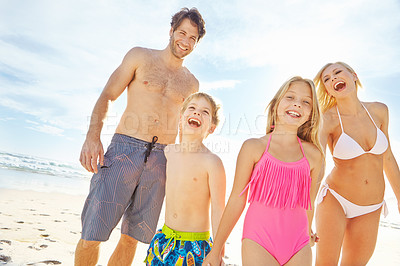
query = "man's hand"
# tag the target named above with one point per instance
(92, 150)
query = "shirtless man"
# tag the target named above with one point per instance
(130, 177)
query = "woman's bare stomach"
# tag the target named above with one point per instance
(359, 182)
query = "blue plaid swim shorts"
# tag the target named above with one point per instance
(131, 183)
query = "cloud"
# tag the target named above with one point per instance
(295, 35)
(55, 57)
(5, 119)
(48, 129)
(217, 85)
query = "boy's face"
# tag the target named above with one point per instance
(197, 118)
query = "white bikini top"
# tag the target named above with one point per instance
(347, 148)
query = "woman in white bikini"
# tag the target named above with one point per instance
(351, 199)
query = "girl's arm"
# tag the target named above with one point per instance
(234, 208)
(390, 165)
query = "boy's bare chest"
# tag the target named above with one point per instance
(187, 172)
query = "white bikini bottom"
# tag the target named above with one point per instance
(350, 209)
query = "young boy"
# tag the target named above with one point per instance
(195, 180)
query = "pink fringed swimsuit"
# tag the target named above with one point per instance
(279, 197)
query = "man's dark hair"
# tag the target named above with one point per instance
(193, 15)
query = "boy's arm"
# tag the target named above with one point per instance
(92, 149)
(217, 186)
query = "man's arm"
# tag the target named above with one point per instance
(92, 149)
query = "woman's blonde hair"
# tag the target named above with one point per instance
(327, 101)
(309, 131)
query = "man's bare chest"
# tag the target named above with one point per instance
(175, 84)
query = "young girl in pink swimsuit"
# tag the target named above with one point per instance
(281, 172)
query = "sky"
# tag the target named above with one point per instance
(56, 57)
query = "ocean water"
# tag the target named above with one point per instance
(26, 172)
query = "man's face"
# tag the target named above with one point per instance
(184, 39)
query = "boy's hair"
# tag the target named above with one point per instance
(309, 131)
(214, 106)
(327, 101)
(193, 15)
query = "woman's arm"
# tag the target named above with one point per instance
(318, 171)
(390, 165)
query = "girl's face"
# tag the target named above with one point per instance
(197, 118)
(339, 81)
(296, 105)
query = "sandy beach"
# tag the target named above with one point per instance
(38, 228)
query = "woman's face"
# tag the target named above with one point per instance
(339, 81)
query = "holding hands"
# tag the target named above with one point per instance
(213, 259)
(313, 238)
